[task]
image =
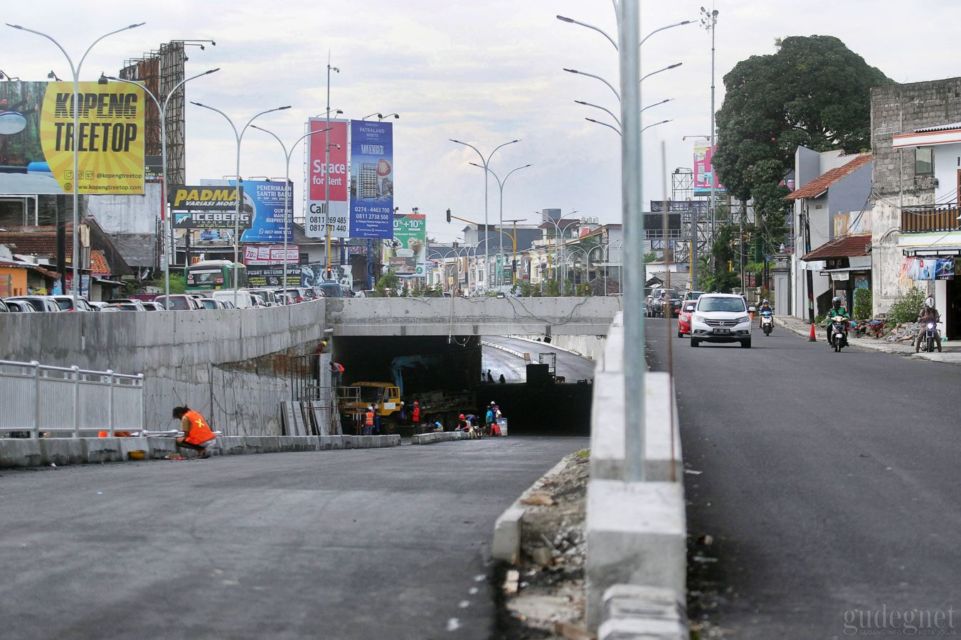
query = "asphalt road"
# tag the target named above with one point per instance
(571, 366)
(829, 482)
(382, 543)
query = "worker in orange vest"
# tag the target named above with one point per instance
(197, 433)
(369, 421)
(415, 413)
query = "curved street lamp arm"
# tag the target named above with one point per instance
(490, 171)
(498, 147)
(662, 70)
(655, 104)
(589, 26)
(74, 70)
(654, 125)
(262, 113)
(591, 75)
(225, 116)
(604, 109)
(467, 144)
(512, 171)
(670, 26)
(604, 124)
(129, 26)
(142, 86)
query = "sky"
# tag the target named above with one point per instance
(483, 72)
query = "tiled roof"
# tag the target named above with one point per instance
(939, 127)
(819, 185)
(38, 241)
(33, 267)
(846, 247)
(98, 263)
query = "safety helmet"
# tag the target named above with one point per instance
(764, 301)
(929, 302)
(462, 417)
(493, 403)
(836, 301)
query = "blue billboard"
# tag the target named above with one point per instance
(371, 179)
(264, 201)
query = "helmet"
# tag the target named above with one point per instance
(764, 301)
(836, 301)
(493, 403)
(929, 302)
(462, 417)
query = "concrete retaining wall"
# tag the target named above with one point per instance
(585, 346)
(472, 316)
(186, 357)
(16, 452)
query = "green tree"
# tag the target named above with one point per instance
(387, 284)
(814, 92)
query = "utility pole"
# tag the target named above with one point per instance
(330, 68)
(808, 274)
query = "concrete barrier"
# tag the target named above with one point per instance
(643, 613)
(63, 451)
(437, 436)
(25, 452)
(20, 452)
(102, 450)
(636, 531)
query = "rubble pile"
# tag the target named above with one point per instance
(544, 594)
(905, 332)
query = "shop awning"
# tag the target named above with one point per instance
(931, 252)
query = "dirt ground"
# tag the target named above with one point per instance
(543, 597)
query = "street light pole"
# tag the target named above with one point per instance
(327, 164)
(500, 185)
(709, 21)
(486, 164)
(632, 207)
(165, 201)
(239, 136)
(75, 72)
(287, 155)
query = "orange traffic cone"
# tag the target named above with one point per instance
(813, 336)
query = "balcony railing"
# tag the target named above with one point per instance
(921, 220)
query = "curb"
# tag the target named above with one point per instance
(27, 452)
(550, 345)
(506, 545)
(516, 354)
(437, 436)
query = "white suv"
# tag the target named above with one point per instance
(720, 317)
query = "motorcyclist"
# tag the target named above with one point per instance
(928, 313)
(837, 309)
(765, 306)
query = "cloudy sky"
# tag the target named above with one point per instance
(483, 72)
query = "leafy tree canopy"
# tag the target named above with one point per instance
(813, 91)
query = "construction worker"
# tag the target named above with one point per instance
(415, 413)
(368, 421)
(197, 433)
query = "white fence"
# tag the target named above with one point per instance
(38, 399)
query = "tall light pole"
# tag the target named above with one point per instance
(709, 22)
(610, 39)
(75, 72)
(632, 199)
(327, 146)
(500, 185)
(287, 154)
(485, 162)
(165, 201)
(239, 136)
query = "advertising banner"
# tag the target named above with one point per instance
(703, 169)
(20, 123)
(272, 276)
(111, 137)
(317, 219)
(202, 198)
(409, 256)
(927, 269)
(265, 202)
(210, 219)
(371, 179)
(270, 254)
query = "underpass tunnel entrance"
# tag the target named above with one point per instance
(450, 377)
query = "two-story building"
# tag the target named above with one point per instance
(916, 234)
(832, 195)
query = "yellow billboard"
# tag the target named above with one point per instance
(111, 137)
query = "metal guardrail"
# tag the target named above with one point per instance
(38, 398)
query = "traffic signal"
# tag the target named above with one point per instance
(448, 216)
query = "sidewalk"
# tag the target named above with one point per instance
(950, 354)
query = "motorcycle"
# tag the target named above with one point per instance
(838, 337)
(929, 339)
(767, 322)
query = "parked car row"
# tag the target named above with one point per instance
(223, 299)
